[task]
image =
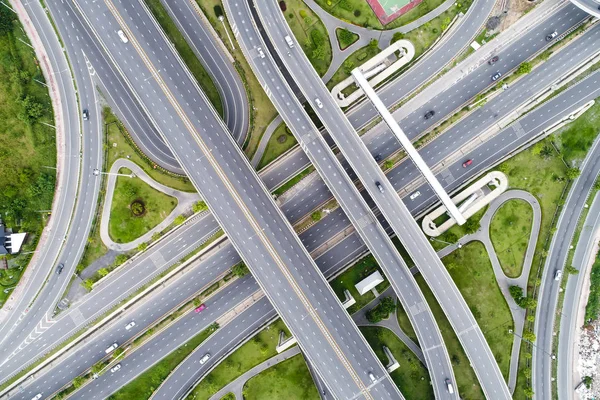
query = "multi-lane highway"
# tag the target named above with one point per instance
(568, 335)
(348, 196)
(549, 289)
(237, 199)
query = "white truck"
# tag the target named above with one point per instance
(289, 41)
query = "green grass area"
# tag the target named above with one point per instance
(466, 380)
(359, 271)
(405, 324)
(356, 59)
(187, 54)
(228, 396)
(289, 184)
(290, 379)
(281, 141)
(509, 231)
(136, 208)
(261, 109)
(412, 377)
(471, 270)
(8, 280)
(120, 145)
(260, 348)
(345, 37)
(575, 139)
(310, 33)
(28, 151)
(453, 234)
(592, 308)
(144, 385)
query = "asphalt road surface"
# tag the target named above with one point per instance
(348, 196)
(556, 259)
(252, 221)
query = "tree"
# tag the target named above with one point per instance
(516, 293)
(571, 270)
(318, 52)
(78, 381)
(240, 270)
(120, 259)
(388, 164)
(97, 368)
(471, 226)
(524, 68)
(156, 236)
(529, 336)
(527, 372)
(199, 206)
(531, 318)
(103, 272)
(197, 302)
(6, 20)
(316, 216)
(528, 392)
(528, 302)
(179, 219)
(450, 237)
(88, 284)
(142, 246)
(587, 381)
(118, 352)
(573, 173)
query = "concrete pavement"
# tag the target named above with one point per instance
(185, 201)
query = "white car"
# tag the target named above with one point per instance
(111, 348)
(558, 275)
(37, 397)
(115, 368)
(205, 358)
(415, 195)
(130, 325)
(318, 103)
(260, 52)
(122, 36)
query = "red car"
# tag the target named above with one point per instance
(200, 308)
(467, 163)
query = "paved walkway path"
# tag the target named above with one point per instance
(360, 318)
(264, 140)
(184, 203)
(504, 282)
(237, 386)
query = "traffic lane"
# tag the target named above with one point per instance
(550, 288)
(71, 246)
(117, 286)
(584, 252)
(384, 142)
(188, 325)
(67, 180)
(382, 248)
(224, 75)
(218, 346)
(252, 249)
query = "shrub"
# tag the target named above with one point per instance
(142, 246)
(317, 37)
(240, 269)
(88, 284)
(103, 272)
(302, 13)
(345, 4)
(316, 216)
(179, 219)
(78, 381)
(218, 11)
(382, 310)
(362, 56)
(357, 13)
(524, 68)
(120, 259)
(199, 206)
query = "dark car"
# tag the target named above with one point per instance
(59, 268)
(467, 163)
(379, 186)
(378, 157)
(86, 115)
(496, 76)
(551, 36)
(429, 114)
(493, 60)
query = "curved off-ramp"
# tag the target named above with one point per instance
(185, 201)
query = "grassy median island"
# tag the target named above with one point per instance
(281, 141)
(471, 270)
(509, 231)
(258, 349)
(27, 149)
(290, 379)
(310, 33)
(412, 378)
(345, 37)
(136, 208)
(359, 271)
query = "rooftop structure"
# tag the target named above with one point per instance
(369, 282)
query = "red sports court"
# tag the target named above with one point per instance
(388, 10)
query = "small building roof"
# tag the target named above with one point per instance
(369, 282)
